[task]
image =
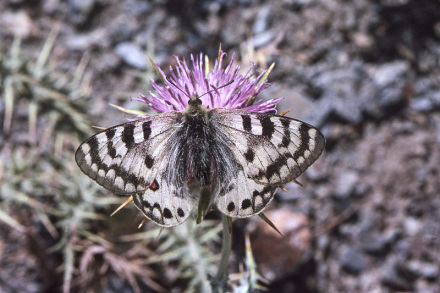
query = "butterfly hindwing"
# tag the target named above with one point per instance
(243, 197)
(122, 158)
(272, 149)
(163, 202)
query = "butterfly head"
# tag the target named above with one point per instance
(195, 107)
(194, 101)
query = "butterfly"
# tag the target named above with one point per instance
(227, 159)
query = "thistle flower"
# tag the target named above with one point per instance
(185, 82)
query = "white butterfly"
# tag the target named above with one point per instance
(229, 159)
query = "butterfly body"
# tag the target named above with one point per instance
(229, 159)
(196, 147)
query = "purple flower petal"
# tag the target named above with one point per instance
(184, 82)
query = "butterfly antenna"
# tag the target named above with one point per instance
(186, 94)
(226, 84)
(176, 86)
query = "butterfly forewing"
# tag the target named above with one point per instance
(272, 149)
(122, 158)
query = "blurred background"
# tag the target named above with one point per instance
(366, 73)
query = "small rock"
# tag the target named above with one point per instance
(392, 235)
(424, 270)
(323, 191)
(425, 287)
(426, 103)
(406, 127)
(339, 88)
(427, 61)
(392, 277)
(352, 261)
(315, 173)
(121, 32)
(50, 7)
(369, 221)
(390, 97)
(132, 55)
(389, 73)
(139, 7)
(80, 11)
(424, 85)
(362, 40)
(345, 183)
(412, 226)
(277, 255)
(323, 241)
(423, 104)
(263, 38)
(321, 112)
(261, 20)
(402, 248)
(373, 243)
(361, 189)
(348, 110)
(368, 94)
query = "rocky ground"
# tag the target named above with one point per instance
(366, 73)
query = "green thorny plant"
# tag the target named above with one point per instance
(49, 208)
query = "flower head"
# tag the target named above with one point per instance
(218, 88)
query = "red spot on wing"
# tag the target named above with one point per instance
(154, 186)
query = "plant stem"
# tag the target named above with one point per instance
(221, 278)
(199, 261)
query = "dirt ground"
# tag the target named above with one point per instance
(366, 73)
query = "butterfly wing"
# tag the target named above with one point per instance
(166, 202)
(122, 158)
(270, 150)
(244, 197)
(139, 158)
